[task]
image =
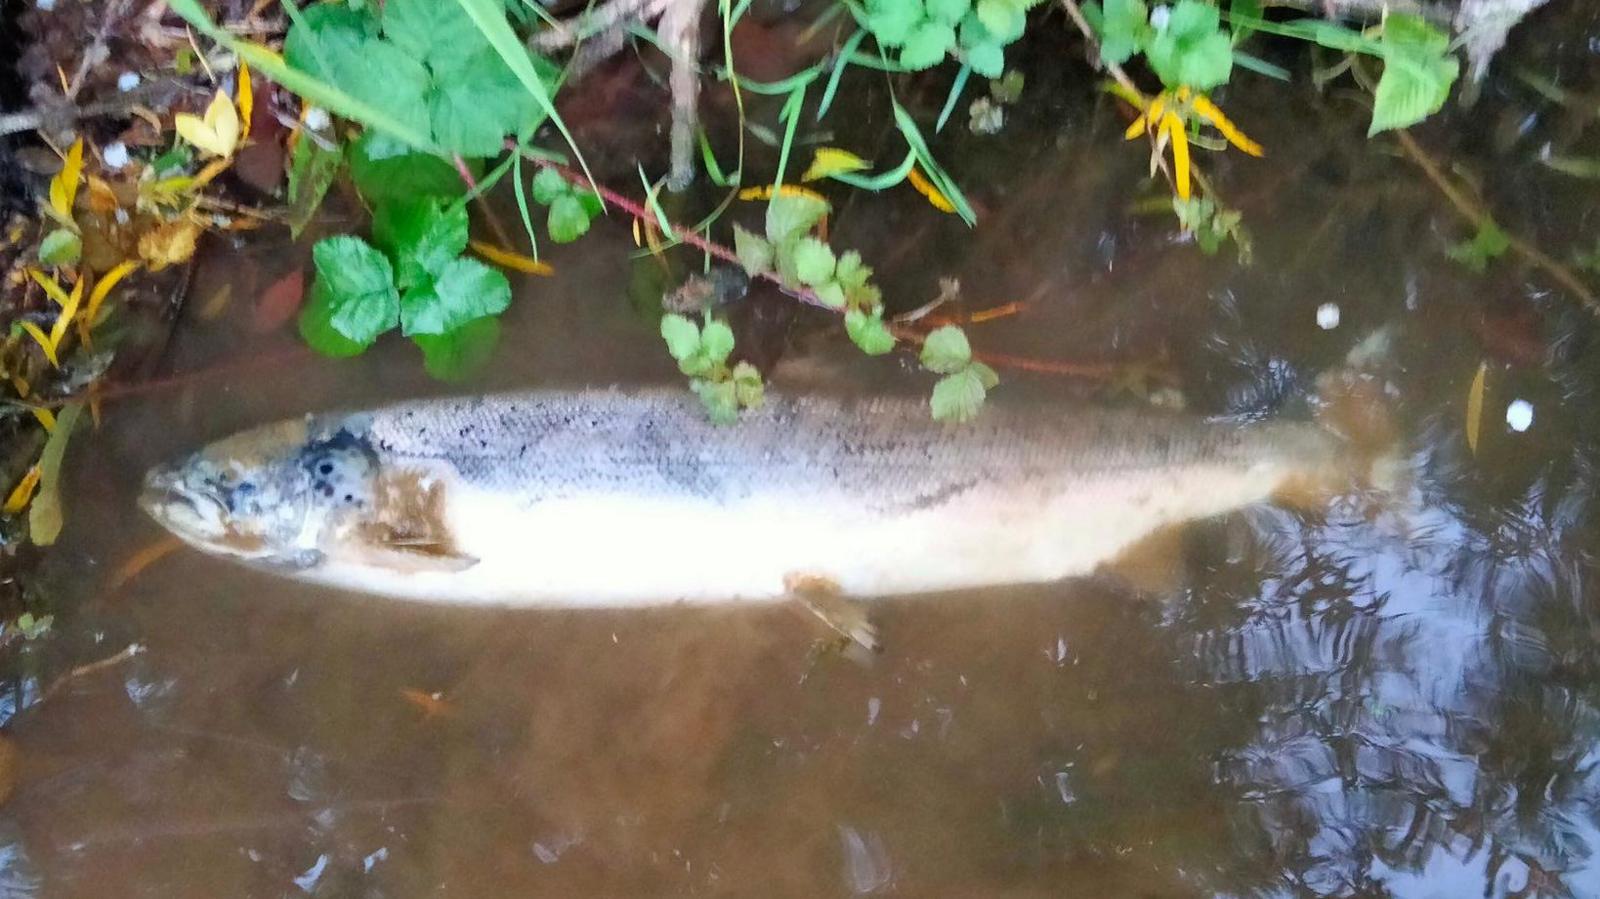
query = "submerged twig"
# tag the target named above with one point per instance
(1470, 210)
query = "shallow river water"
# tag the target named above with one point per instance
(1322, 703)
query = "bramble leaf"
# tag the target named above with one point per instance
(946, 350)
(814, 262)
(716, 340)
(462, 290)
(568, 220)
(868, 332)
(958, 397)
(421, 236)
(1417, 73)
(681, 334)
(1190, 49)
(891, 21)
(359, 285)
(926, 45)
(755, 254)
(790, 215)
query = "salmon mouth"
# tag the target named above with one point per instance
(195, 517)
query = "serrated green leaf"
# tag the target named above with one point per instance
(60, 247)
(957, 397)
(1489, 243)
(316, 325)
(986, 375)
(381, 75)
(435, 32)
(568, 219)
(831, 293)
(463, 290)
(721, 399)
(1123, 27)
(476, 101)
(747, 386)
(813, 261)
(716, 340)
(360, 287)
(946, 350)
(461, 353)
(948, 11)
(868, 332)
(755, 254)
(421, 236)
(851, 272)
(1003, 19)
(791, 215)
(312, 168)
(926, 45)
(681, 334)
(891, 21)
(325, 32)
(1417, 74)
(385, 170)
(1191, 49)
(548, 185)
(988, 60)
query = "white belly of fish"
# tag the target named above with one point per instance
(621, 551)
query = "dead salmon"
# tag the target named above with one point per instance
(625, 497)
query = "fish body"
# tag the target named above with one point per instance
(612, 497)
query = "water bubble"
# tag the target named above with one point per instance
(115, 155)
(1159, 17)
(866, 861)
(316, 118)
(1328, 316)
(1519, 415)
(127, 81)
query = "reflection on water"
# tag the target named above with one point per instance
(1353, 703)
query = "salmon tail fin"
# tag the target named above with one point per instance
(1357, 401)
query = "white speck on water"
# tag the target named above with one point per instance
(613, 638)
(127, 81)
(874, 706)
(545, 854)
(291, 677)
(121, 215)
(550, 852)
(141, 692)
(1060, 654)
(1519, 415)
(308, 881)
(367, 863)
(115, 155)
(316, 118)
(253, 855)
(1159, 17)
(866, 861)
(1064, 788)
(1328, 316)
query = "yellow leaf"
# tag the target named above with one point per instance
(832, 161)
(43, 340)
(1208, 111)
(1172, 126)
(50, 286)
(1475, 407)
(217, 133)
(45, 519)
(45, 416)
(1152, 113)
(246, 98)
(64, 319)
(924, 187)
(168, 244)
(64, 186)
(20, 494)
(102, 199)
(513, 261)
(102, 289)
(212, 169)
(788, 190)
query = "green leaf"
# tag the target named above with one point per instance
(946, 350)
(681, 334)
(891, 21)
(957, 397)
(868, 332)
(948, 11)
(988, 60)
(1489, 243)
(316, 325)
(476, 101)
(324, 33)
(926, 45)
(45, 517)
(986, 375)
(463, 290)
(60, 247)
(813, 261)
(569, 220)
(851, 272)
(386, 170)
(721, 399)
(381, 75)
(1191, 49)
(1004, 19)
(360, 288)
(747, 386)
(436, 32)
(1124, 26)
(548, 185)
(831, 294)
(791, 215)
(461, 353)
(421, 236)
(1417, 74)
(755, 254)
(312, 168)
(716, 339)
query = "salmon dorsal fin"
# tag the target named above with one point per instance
(407, 528)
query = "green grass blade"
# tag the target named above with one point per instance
(882, 181)
(955, 94)
(936, 173)
(840, 63)
(490, 18)
(654, 205)
(791, 115)
(1260, 66)
(522, 205)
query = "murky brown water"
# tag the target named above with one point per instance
(1316, 706)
